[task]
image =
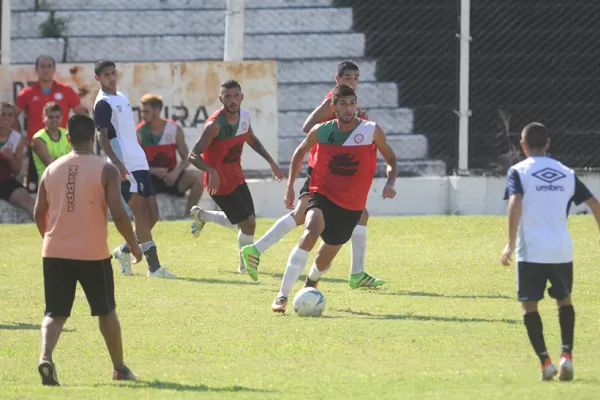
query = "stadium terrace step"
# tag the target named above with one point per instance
(391, 120)
(185, 22)
(406, 147)
(192, 48)
(25, 51)
(309, 71)
(294, 97)
(161, 4)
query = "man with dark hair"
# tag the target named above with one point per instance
(347, 73)
(343, 169)
(50, 142)
(539, 191)
(162, 139)
(71, 216)
(32, 99)
(117, 136)
(218, 153)
(11, 159)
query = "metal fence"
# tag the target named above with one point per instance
(529, 60)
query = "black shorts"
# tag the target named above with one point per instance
(532, 278)
(139, 182)
(161, 187)
(60, 281)
(339, 222)
(8, 187)
(306, 187)
(32, 175)
(238, 205)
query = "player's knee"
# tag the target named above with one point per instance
(364, 218)
(248, 227)
(299, 216)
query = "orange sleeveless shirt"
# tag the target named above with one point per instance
(77, 210)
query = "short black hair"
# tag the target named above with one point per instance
(81, 129)
(231, 84)
(102, 64)
(535, 136)
(342, 91)
(346, 66)
(39, 58)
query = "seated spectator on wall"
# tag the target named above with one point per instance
(12, 144)
(50, 142)
(162, 139)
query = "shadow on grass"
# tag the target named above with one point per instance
(215, 281)
(415, 317)
(446, 296)
(183, 387)
(20, 326)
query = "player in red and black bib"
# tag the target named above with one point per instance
(347, 73)
(218, 153)
(343, 169)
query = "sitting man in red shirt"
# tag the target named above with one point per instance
(32, 99)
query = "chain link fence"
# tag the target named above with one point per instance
(530, 60)
(534, 61)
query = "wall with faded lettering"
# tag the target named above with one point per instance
(190, 91)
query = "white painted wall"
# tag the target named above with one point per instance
(416, 196)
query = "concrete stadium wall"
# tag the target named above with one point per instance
(416, 196)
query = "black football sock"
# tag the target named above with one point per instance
(566, 318)
(149, 249)
(535, 331)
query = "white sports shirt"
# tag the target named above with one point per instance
(113, 111)
(548, 188)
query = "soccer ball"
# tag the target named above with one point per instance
(309, 302)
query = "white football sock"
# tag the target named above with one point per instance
(282, 227)
(296, 263)
(314, 274)
(359, 249)
(244, 240)
(218, 217)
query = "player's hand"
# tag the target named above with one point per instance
(136, 251)
(507, 254)
(213, 181)
(362, 113)
(7, 151)
(171, 177)
(388, 192)
(277, 172)
(122, 170)
(160, 173)
(289, 197)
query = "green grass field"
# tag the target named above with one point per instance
(445, 326)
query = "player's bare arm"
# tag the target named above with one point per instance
(171, 177)
(112, 194)
(296, 163)
(257, 146)
(15, 159)
(16, 125)
(321, 113)
(390, 158)
(80, 109)
(515, 203)
(594, 205)
(209, 133)
(40, 210)
(41, 150)
(104, 141)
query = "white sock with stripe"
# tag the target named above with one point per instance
(244, 240)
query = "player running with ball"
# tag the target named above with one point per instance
(344, 165)
(347, 73)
